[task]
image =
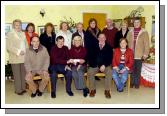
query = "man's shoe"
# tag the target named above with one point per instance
(97, 78)
(70, 93)
(92, 93)
(53, 95)
(107, 93)
(39, 93)
(33, 95)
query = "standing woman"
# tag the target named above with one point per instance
(30, 32)
(122, 63)
(122, 33)
(91, 41)
(16, 46)
(47, 38)
(77, 59)
(65, 33)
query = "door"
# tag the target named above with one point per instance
(100, 17)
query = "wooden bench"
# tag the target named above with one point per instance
(87, 80)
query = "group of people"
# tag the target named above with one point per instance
(110, 51)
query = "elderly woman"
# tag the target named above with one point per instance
(30, 32)
(65, 33)
(47, 38)
(122, 33)
(16, 46)
(77, 60)
(122, 63)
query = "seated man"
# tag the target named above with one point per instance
(59, 59)
(101, 61)
(36, 63)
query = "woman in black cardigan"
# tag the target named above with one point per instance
(91, 41)
(47, 38)
(122, 33)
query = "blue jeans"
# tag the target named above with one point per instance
(55, 70)
(120, 79)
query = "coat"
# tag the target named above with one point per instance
(142, 43)
(14, 44)
(37, 61)
(128, 58)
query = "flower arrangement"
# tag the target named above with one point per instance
(151, 56)
(71, 24)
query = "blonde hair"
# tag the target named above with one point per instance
(61, 25)
(79, 23)
(16, 20)
(77, 37)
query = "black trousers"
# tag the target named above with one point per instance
(135, 78)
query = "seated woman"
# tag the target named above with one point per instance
(77, 60)
(122, 63)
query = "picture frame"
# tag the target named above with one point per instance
(41, 29)
(24, 25)
(8, 27)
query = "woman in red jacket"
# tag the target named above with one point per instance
(77, 60)
(122, 63)
(30, 32)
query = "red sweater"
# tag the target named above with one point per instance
(59, 55)
(110, 36)
(128, 58)
(77, 52)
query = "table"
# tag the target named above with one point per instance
(148, 75)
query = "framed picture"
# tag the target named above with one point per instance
(40, 30)
(8, 27)
(117, 23)
(24, 25)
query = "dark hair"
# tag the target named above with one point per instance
(30, 24)
(51, 25)
(137, 18)
(122, 40)
(91, 20)
(59, 38)
(62, 24)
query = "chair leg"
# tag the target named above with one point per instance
(49, 86)
(128, 84)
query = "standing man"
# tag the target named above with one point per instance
(110, 32)
(138, 39)
(36, 63)
(80, 31)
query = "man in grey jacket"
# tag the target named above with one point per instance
(36, 63)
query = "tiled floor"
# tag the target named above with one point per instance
(143, 95)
